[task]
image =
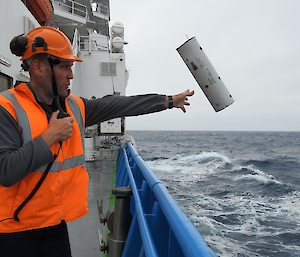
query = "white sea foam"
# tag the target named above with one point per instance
(255, 174)
(203, 163)
(235, 217)
(204, 157)
(251, 213)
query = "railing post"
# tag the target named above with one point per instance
(121, 222)
(73, 8)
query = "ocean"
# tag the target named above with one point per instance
(240, 189)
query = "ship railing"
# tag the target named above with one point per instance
(100, 10)
(71, 7)
(87, 43)
(159, 227)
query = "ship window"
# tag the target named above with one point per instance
(108, 68)
(5, 82)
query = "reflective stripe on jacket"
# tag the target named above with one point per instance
(63, 194)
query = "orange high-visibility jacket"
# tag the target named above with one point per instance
(63, 194)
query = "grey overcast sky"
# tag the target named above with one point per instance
(253, 45)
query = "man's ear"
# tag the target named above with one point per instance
(36, 68)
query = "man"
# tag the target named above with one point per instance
(43, 179)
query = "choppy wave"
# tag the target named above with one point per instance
(241, 190)
(250, 172)
(198, 163)
(225, 209)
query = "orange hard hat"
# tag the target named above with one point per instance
(50, 41)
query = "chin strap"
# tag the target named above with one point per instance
(53, 62)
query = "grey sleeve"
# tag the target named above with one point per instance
(17, 161)
(110, 107)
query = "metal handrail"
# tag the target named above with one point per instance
(100, 9)
(150, 249)
(187, 236)
(73, 8)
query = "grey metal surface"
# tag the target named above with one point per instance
(121, 223)
(83, 233)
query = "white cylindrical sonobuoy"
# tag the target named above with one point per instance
(205, 74)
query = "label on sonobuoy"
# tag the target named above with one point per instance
(205, 74)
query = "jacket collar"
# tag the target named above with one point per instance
(24, 86)
(58, 102)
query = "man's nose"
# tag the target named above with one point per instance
(70, 74)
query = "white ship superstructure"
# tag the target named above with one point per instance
(103, 71)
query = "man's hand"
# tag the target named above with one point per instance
(180, 100)
(59, 129)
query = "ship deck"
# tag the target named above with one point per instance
(83, 233)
